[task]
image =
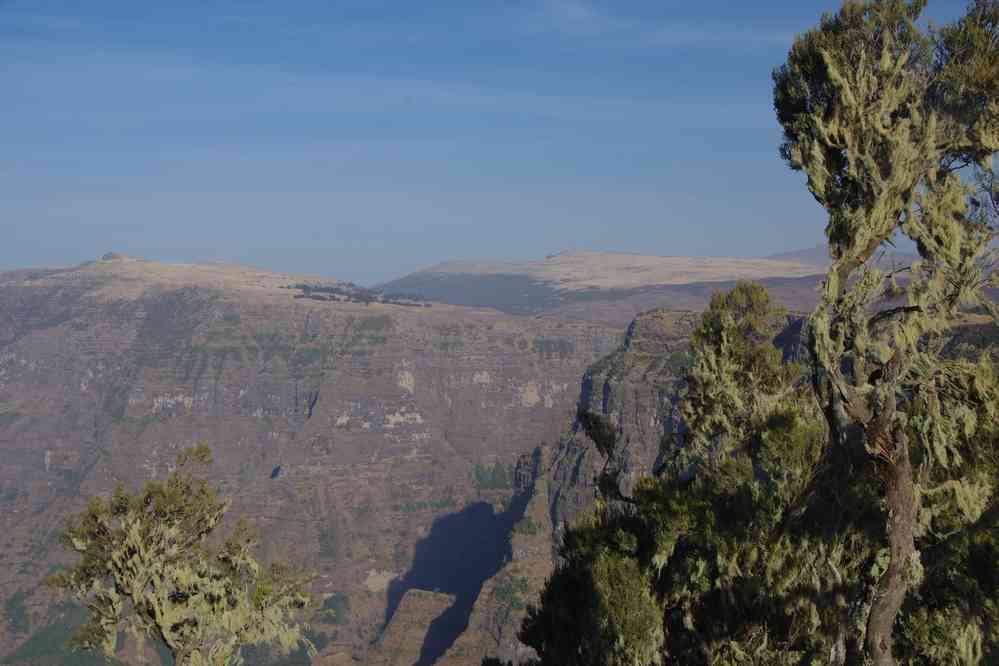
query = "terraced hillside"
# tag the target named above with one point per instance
(368, 442)
(384, 446)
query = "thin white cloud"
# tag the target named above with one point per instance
(578, 19)
(132, 90)
(584, 21)
(574, 16)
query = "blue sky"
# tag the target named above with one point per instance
(363, 139)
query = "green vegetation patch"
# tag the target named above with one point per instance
(170, 322)
(272, 343)
(48, 645)
(495, 477)
(72, 478)
(437, 505)
(265, 656)
(511, 592)
(335, 610)
(526, 526)
(679, 362)
(376, 324)
(329, 542)
(553, 347)
(8, 415)
(450, 339)
(15, 613)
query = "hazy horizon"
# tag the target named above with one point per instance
(365, 140)
(806, 257)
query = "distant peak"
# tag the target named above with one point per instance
(116, 256)
(560, 253)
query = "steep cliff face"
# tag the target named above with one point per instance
(348, 433)
(501, 605)
(635, 387)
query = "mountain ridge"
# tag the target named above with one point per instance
(585, 269)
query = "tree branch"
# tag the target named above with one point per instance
(888, 314)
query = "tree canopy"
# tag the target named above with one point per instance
(148, 567)
(845, 510)
(896, 131)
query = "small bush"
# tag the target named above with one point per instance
(329, 543)
(48, 645)
(335, 610)
(15, 614)
(510, 592)
(527, 527)
(497, 477)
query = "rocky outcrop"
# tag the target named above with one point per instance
(504, 598)
(635, 387)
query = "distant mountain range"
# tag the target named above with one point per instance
(611, 287)
(584, 270)
(812, 256)
(380, 438)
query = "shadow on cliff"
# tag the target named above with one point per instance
(462, 551)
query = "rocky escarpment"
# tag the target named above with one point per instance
(501, 605)
(352, 435)
(635, 387)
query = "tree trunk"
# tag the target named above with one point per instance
(900, 499)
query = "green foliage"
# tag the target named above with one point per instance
(329, 542)
(679, 362)
(305, 358)
(147, 567)
(266, 656)
(600, 430)
(510, 592)
(597, 610)
(526, 527)
(272, 344)
(553, 347)
(376, 324)
(8, 415)
(15, 614)
(736, 373)
(48, 646)
(677, 569)
(335, 610)
(759, 542)
(497, 477)
(896, 131)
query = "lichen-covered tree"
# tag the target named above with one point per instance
(760, 540)
(890, 125)
(844, 512)
(694, 566)
(149, 569)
